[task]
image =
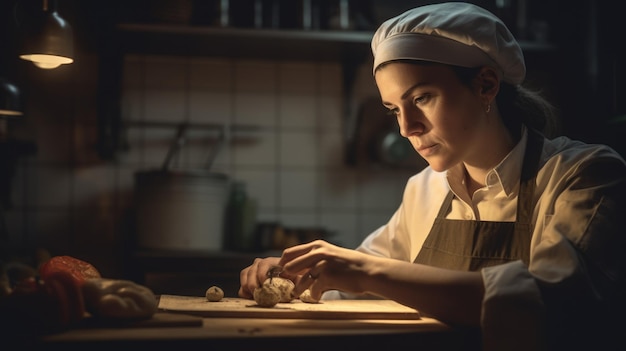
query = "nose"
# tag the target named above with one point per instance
(410, 123)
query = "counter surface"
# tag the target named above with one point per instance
(177, 330)
(182, 327)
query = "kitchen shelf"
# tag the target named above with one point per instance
(315, 45)
(272, 44)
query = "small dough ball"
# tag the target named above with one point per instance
(285, 286)
(267, 295)
(214, 294)
(306, 297)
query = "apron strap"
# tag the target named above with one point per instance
(534, 147)
(445, 207)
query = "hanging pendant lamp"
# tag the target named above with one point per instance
(10, 103)
(48, 40)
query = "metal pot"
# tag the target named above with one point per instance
(181, 210)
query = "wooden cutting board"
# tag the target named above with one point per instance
(158, 320)
(296, 309)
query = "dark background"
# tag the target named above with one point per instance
(585, 74)
(581, 68)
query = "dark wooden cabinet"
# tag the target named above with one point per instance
(189, 273)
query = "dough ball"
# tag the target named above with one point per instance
(267, 295)
(306, 297)
(214, 294)
(285, 286)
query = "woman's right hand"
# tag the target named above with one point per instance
(254, 275)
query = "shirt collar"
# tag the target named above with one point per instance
(505, 174)
(509, 170)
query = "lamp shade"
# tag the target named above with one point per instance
(10, 102)
(48, 39)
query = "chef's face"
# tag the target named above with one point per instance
(441, 116)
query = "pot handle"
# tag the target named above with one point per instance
(181, 140)
(221, 140)
(177, 144)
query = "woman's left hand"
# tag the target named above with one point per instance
(323, 266)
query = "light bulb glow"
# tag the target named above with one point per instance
(10, 113)
(47, 61)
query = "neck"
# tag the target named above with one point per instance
(474, 179)
(487, 158)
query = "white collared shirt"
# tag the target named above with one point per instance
(564, 219)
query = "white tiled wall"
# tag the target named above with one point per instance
(293, 165)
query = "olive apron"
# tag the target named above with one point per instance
(470, 245)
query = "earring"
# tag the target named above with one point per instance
(488, 108)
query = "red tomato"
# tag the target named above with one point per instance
(79, 269)
(39, 307)
(67, 295)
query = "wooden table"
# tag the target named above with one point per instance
(265, 334)
(180, 330)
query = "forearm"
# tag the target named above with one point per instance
(450, 296)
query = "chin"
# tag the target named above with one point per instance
(439, 169)
(438, 166)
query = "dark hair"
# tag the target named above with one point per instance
(518, 105)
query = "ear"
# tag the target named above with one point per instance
(488, 84)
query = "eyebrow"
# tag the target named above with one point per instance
(411, 88)
(408, 91)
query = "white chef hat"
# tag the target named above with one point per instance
(453, 33)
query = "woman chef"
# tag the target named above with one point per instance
(518, 235)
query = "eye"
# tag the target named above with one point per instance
(422, 99)
(393, 112)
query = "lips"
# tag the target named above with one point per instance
(428, 149)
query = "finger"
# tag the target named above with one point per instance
(243, 293)
(305, 282)
(316, 286)
(260, 274)
(288, 275)
(316, 291)
(254, 275)
(309, 278)
(263, 267)
(243, 282)
(296, 251)
(303, 264)
(249, 278)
